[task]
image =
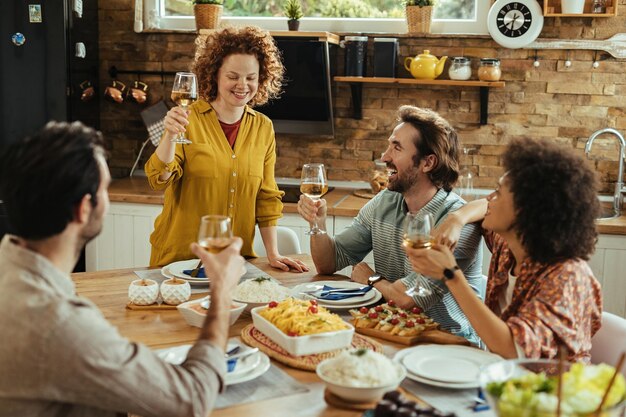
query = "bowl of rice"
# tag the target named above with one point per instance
(259, 291)
(360, 375)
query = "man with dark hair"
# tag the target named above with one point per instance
(422, 157)
(541, 294)
(63, 357)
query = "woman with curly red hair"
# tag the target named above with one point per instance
(228, 169)
(540, 221)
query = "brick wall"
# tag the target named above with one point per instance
(552, 102)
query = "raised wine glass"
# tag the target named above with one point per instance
(417, 235)
(314, 185)
(184, 93)
(215, 233)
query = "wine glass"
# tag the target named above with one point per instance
(184, 93)
(417, 235)
(215, 233)
(314, 185)
(466, 178)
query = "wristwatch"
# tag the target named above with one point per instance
(448, 273)
(374, 279)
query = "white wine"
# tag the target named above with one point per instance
(417, 242)
(215, 245)
(313, 189)
(183, 98)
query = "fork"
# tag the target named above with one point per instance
(194, 272)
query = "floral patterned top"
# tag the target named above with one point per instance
(553, 305)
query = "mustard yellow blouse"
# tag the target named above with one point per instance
(208, 177)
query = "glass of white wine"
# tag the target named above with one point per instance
(215, 233)
(314, 185)
(184, 93)
(417, 235)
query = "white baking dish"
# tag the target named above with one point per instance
(303, 345)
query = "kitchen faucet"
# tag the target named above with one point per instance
(619, 185)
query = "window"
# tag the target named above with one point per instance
(368, 16)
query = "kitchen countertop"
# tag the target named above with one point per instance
(341, 202)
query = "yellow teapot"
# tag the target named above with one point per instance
(425, 66)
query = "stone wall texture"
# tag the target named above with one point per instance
(551, 102)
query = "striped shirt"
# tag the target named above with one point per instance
(379, 228)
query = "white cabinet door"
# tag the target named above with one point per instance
(125, 238)
(342, 223)
(296, 223)
(608, 264)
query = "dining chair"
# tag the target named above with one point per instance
(288, 242)
(605, 344)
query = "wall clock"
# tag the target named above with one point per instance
(515, 23)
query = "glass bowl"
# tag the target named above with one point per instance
(530, 396)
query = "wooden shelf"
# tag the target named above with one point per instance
(321, 36)
(552, 8)
(356, 86)
(382, 80)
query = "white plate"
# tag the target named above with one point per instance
(247, 368)
(318, 285)
(175, 270)
(192, 281)
(377, 297)
(428, 364)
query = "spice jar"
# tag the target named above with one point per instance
(460, 69)
(489, 69)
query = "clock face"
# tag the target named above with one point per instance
(515, 23)
(514, 20)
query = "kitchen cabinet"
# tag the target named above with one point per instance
(608, 264)
(125, 238)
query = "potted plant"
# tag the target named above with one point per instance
(208, 13)
(419, 14)
(293, 11)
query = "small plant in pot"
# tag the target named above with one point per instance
(419, 15)
(293, 11)
(208, 13)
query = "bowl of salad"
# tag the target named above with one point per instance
(528, 388)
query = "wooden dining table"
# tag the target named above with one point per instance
(162, 328)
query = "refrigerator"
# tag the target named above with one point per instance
(48, 60)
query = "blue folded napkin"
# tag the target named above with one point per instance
(323, 294)
(230, 364)
(201, 273)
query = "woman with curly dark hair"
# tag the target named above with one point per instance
(540, 222)
(228, 169)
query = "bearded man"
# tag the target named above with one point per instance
(423, 160)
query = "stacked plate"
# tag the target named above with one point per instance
(175, 269)
(246, 368)
(313, 291)
(447, 366)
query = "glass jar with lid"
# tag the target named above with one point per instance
(460, 69)
(489, 69)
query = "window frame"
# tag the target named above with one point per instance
(477, 26)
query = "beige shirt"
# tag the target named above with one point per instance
(60, 357)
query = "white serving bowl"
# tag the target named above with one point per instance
(303, 345)
(196, 318)
(359, 394)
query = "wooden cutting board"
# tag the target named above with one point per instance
(439, 337)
